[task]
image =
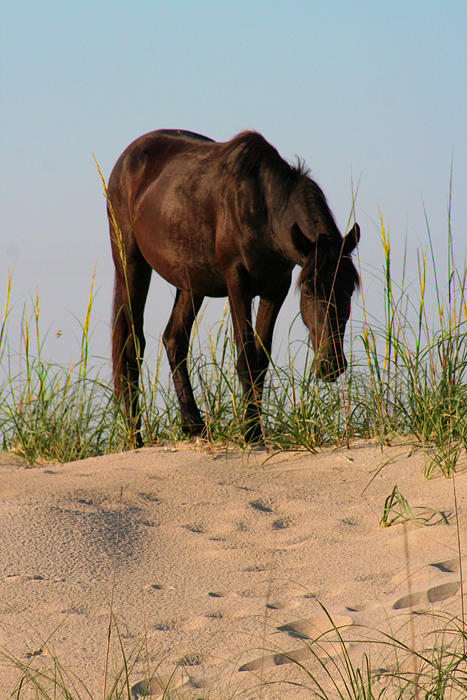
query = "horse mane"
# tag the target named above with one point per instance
(248, 155)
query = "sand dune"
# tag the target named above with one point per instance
(221, 561)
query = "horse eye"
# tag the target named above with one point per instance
(307, 292)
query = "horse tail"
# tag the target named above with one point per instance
(119, 334)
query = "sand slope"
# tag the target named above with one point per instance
(220, 562)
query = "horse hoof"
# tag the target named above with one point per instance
(194, 429)
(254, 436)
(135, 445)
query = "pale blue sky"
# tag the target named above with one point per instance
(374, 91)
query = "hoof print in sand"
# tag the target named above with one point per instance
(408, 601)
(314, 627)
(162, 587)
(283, 604)
(262, 505)
(166, 625)
(432, 595)
(297, 656)
(449, 566)
(197, 528)
(282, 523)
(255, 568)
(151, 497)
(159, 686)
(191, 660)
(222, 594)
(442, 592)
(271, 660)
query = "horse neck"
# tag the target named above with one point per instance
(314, 219)
(319, 218)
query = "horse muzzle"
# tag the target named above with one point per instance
(330, 370)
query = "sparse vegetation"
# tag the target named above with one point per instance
(405, 377)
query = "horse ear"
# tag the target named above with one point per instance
(301, 243)
(351, 239)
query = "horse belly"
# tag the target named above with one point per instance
(180, 248)
(192, 276)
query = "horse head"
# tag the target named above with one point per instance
(327, 281)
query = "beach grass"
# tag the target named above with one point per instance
(407, 375)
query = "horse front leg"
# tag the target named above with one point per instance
(176, 340)
(265, 322)
(240, 305)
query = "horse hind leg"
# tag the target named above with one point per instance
(132, 278)
(176, 340)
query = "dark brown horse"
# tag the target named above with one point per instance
(223, 219)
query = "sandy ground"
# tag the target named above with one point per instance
(220, 561)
